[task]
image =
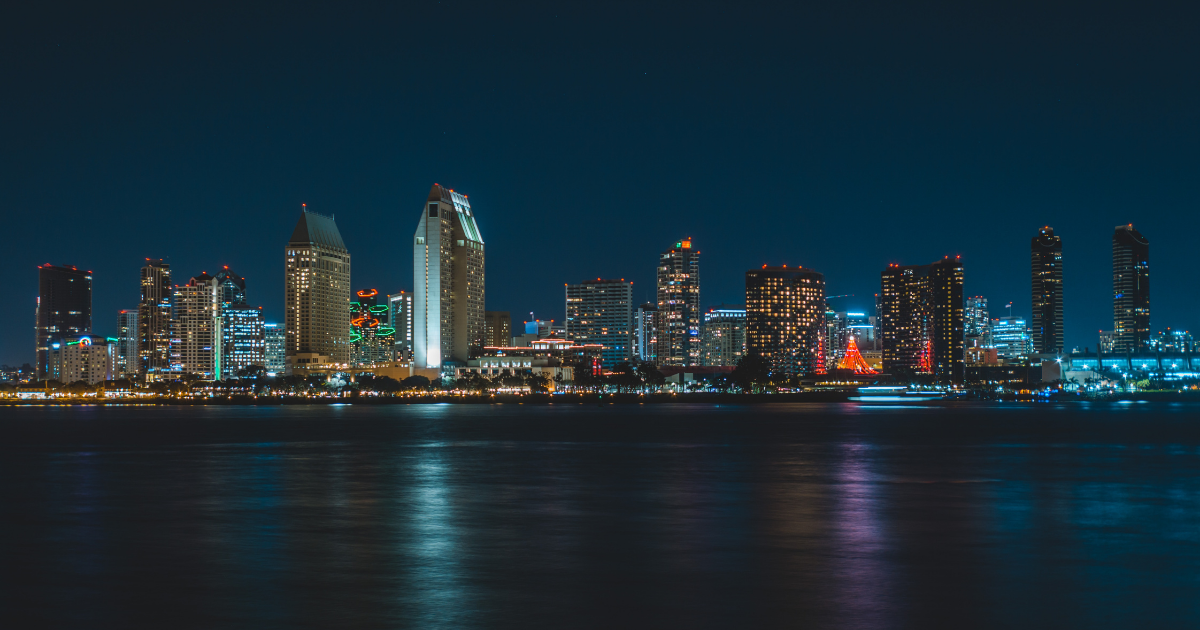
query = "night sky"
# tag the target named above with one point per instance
(842, 136)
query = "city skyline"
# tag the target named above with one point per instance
(632, 149)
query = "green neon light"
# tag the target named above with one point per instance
(355, 338)
(385, 331)
(379, 309)
(354, 306)
(113, 339)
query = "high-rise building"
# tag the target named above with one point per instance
(601, 312)
(127, 343)
(497, 328)
(400, 310)
(1011, 339)
(243, 339)
(275, 346)
(233, 287)
(154, 319)
(64, 307)
(678, 333)
(92, 360)
(645, 336)
(196, 328)
(1131, 290)
(1106, 342)
(317, 293)
(448, 281)
(785, 319)
(723, 336)
(372, 336)
(976, 321)
(921, 319)
(1047, 292)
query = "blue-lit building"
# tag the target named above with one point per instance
(1167, 366)
(242, 332)
(275, 348)
(1011, 338)
(723, 336)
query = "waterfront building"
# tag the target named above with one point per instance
(154, 319)
(127, 343)
(400, 312)
(785, 319)
(243, 337)
(601, 312)
(678, 330)
(448, 281)
(92, 360)
(497, 328)
(1106, 342)
(922, 320)
(645, 336)
(64, 308)
(372, 337)
(1047, 292)
(1131, 290)
(1172, 341)
(1011, 339)
(723, 336)
(195, 346)
(274, 348)
(316, 293)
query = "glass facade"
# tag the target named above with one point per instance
(64, 307)
(1131, 290)
(1011, 338)
(678, 328)
(242, 331)
(601, 312)
(274, 348)
(1047, 292)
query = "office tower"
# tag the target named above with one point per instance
(921, 319)
(976, 321)
(1011, 339)
(372, 337)
(1106, 342)
(316, 293)
(448, 280)
(92, 360)
(196, 328)
(242, 336)
(275, 348)
(785, 319)
(723, 336)
(400, 311)
(1047, 292)
(645, 336)
(1131, 290)
(497, 328)
(601, 312)
(154, 319)
(679, 305)
(127, 343)
(64, 307)
(233, 287)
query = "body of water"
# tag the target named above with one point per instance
(589, 516)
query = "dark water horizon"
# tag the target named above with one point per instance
(1079, 515)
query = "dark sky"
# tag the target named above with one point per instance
(841, 136)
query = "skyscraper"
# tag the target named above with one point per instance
(64, 307)
(497, 328)
(921, 319)
(601, 312)
(243, 341)
(316, 293)
(678, 331)
(723, 336)
(785, 319)
(274, 342)
(196, 328)
(127, 343)
(1047, 292)
(1011, 338)
(1131, 290)
(645, 336)
(448, 279)
(372, 336)
(154, 319)
(976, 321)
(400, 310)
(233, 287)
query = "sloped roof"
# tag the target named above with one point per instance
(319, 229)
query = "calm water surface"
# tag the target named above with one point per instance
(433, 516)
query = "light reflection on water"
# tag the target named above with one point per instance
(588, 516)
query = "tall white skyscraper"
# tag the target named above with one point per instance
(196, 328)
(448, 281)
